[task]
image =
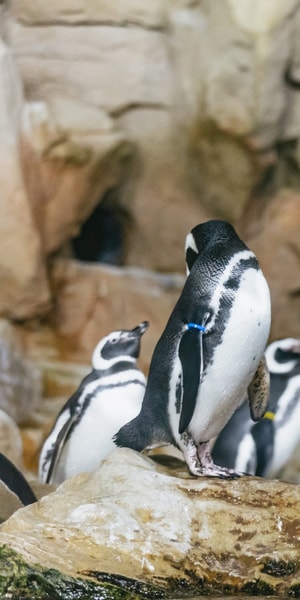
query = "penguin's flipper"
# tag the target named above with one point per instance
(59, 446)
(258, 391)
(15, 481)
(191, 358)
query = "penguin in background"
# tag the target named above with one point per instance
(264, 448)
(106, 398)
(15, 481)
(211, 353)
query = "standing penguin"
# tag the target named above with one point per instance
(264, 448)
(107, 398)
(210, 353)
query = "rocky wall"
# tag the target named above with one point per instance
(186, 111)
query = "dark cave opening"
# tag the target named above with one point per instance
(103, 235)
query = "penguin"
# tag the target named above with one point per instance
(210, 353)
(106, 398)
(264, 448)
(244, 445)
(283, 359)
(15, 482)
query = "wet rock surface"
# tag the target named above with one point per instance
(139, 519)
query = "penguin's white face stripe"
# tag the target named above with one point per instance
(101, 363)
(214, 304)
(287, 345)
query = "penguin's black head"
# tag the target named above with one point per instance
(204, 235)
(283, 357)
(119, 345)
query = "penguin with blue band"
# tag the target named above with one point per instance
(264, 448)
(107, 398)
(210, 354)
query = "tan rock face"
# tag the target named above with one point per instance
(24, 287)
(93, 300)
(10, 439)
(72, 154)
(165, 528)
(275, 239)
(184, 110)
(20, 380)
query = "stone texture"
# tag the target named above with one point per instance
(20, 379)
(10, 503)
(10, 439)
(130, 12)
(93, 300)
(24, 288)
(165, 528)
(72, 153)
(185, 110)
(275, 239)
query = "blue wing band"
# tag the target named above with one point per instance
(196, 326)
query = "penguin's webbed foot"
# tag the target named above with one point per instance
(214, 470)
(200, 463)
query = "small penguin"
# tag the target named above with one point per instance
(13, 480)
(107, 398)
(210, 353)
(264, 448)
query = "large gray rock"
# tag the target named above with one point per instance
(158, 525)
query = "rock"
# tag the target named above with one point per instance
(133, 11)
(69, 150)
(93, 300)
(184, 111)
(275, 239)
(10, 503)
(20, 379)
(10, 439)
(166, 528)
(24, 287)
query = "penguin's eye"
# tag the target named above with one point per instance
(114, 340)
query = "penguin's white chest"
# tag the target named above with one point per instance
(92, 438)
(235, 359)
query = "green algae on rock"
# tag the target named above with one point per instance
(29, 582)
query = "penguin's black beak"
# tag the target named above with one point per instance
(140, 329)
